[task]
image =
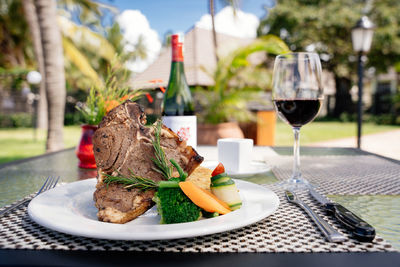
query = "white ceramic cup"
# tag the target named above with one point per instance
(235, 154)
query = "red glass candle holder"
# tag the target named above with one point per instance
(84, 150)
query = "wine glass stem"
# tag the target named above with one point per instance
(296, 153)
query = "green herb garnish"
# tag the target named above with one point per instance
(160, 160)
(134, 181)
(161, 165)
(131, 181)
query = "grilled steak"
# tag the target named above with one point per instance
(123, 143)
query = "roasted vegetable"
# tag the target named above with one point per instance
(224, 188)
(202, 198)
(174, 206)
(219, 169)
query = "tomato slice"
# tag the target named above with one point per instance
(218, 170)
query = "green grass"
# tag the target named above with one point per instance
(324, 131)
(19, 143)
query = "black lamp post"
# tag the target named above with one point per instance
(34, 78)
(361, 36)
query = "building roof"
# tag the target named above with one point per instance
(198, 54)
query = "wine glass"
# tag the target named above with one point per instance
(297, 95)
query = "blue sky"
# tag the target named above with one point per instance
(150, 20)
(180, 15)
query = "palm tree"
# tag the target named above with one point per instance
(13, 36)
(33, 24)
(54, 77)
(51, 87)
(71, 44)
(87, 52)
(211, 10)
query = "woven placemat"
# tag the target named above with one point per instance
(287, 230)
(343, 175)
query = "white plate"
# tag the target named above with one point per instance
(70, 209)
(256, 167)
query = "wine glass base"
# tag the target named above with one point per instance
(294, 184)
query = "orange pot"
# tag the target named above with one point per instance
(208, 134)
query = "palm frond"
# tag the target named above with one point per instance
(79, 60)
(89, 12)
(238, 81)
(85, 38)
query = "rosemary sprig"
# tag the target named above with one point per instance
(131, 181)
(134, 181)
(161, 165)
(160, 159)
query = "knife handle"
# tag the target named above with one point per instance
(361, 230)
(330, 233)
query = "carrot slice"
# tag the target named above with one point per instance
(215, 197)
(201, 198)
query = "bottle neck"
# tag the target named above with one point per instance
(177, 74)
(177, 98)
(177, 71)
(177, 52)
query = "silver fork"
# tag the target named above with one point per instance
(330, 233)
(50, 183)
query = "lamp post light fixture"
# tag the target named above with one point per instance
(361, 36)
(34, 78)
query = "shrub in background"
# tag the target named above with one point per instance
(5, 121)
(21, 120)
(16, 120)
(74, 118)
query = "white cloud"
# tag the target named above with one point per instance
(241, 25)
(133, 25)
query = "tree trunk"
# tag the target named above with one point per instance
(343, 102)
(33, 24)
(54, 72)
(211, 9)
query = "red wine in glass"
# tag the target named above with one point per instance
(297, 93)
(298, 112)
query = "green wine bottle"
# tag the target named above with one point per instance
(178, 108)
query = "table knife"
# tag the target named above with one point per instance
(360, 229)
(330, 233)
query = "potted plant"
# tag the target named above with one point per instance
(100, 101)
(238, 79)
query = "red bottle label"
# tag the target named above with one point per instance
(177, 53)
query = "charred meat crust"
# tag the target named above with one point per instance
(119, 205)
(123, 143)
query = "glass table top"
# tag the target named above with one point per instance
(18, 180)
